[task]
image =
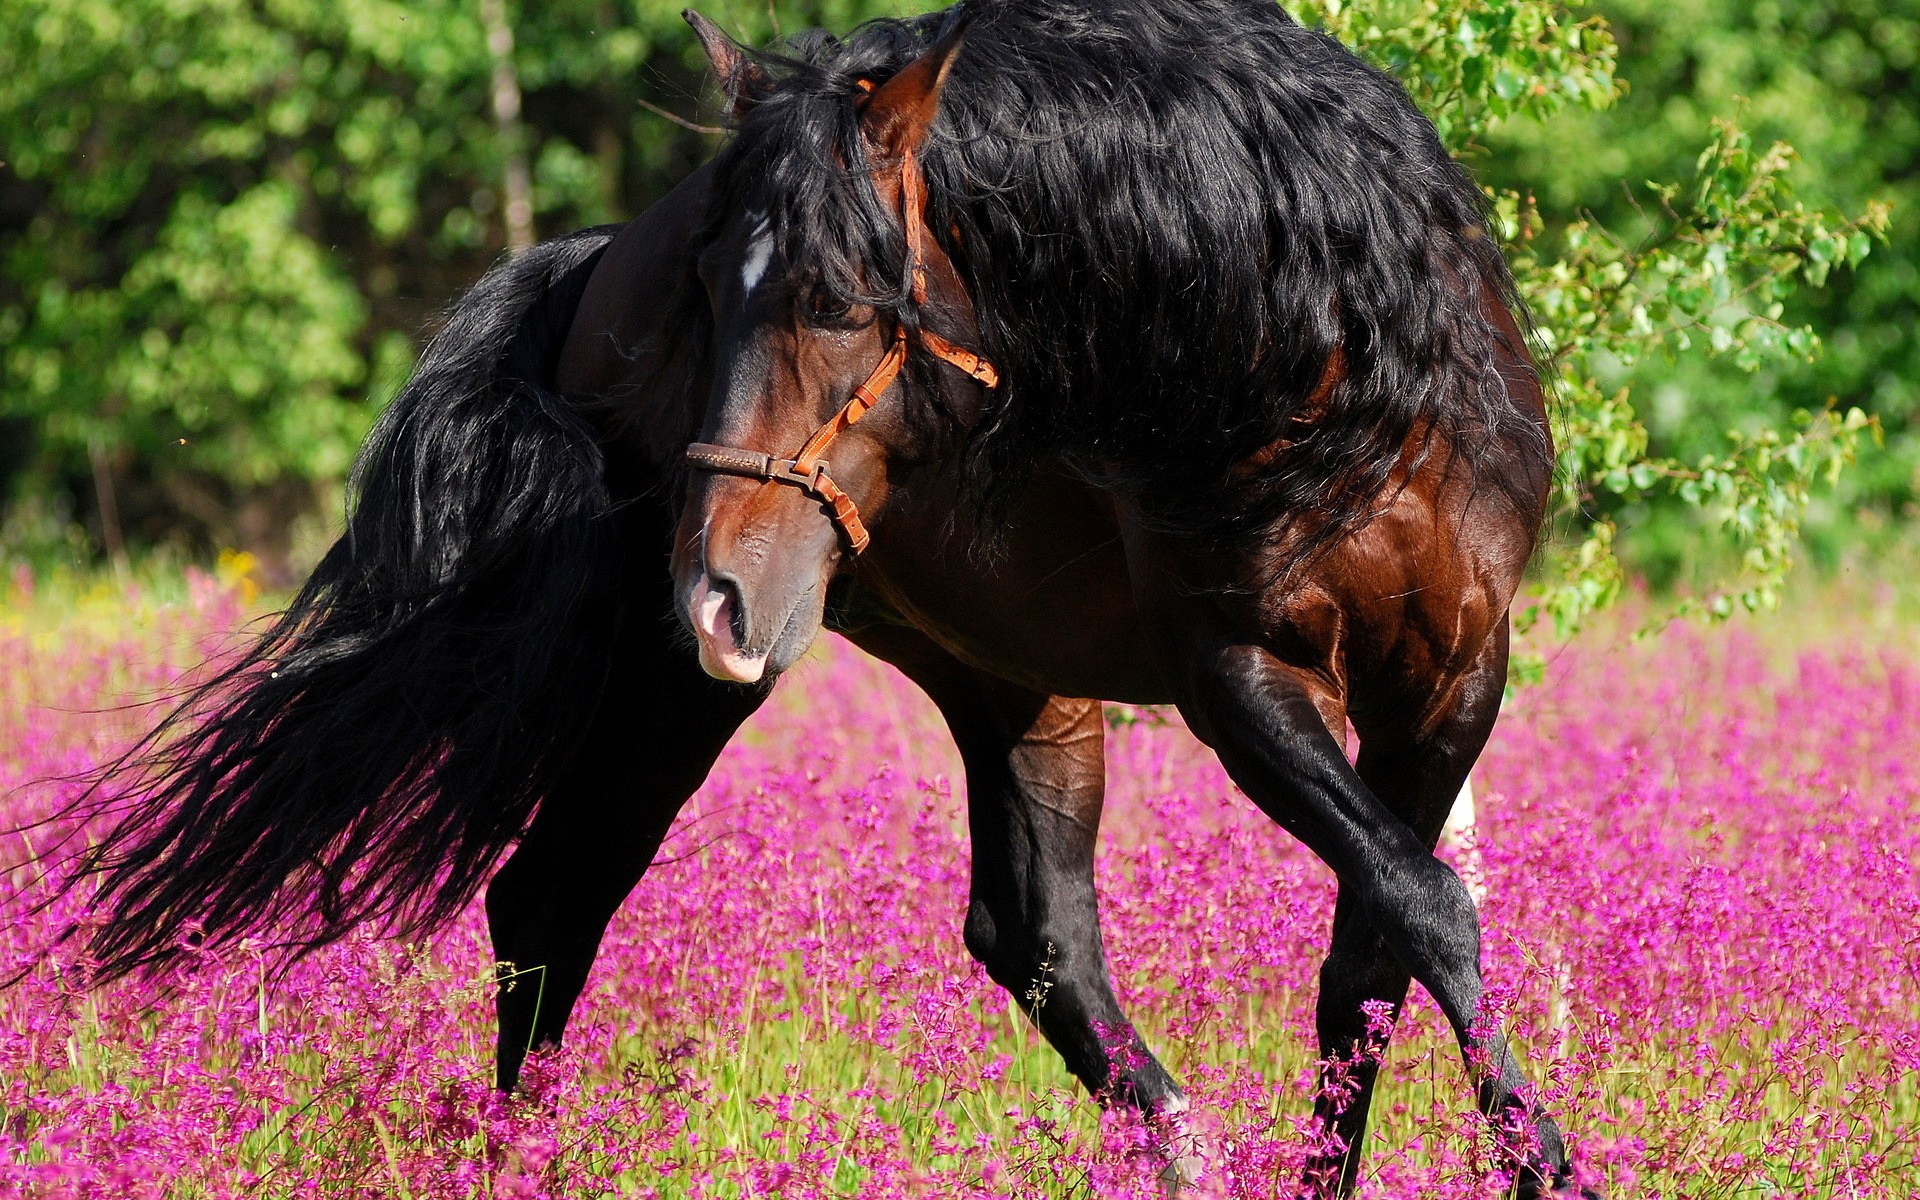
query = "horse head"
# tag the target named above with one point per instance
(828, 292)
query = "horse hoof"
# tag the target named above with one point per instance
(1183, 1152)
(1562, 1188)
(1179, 1176)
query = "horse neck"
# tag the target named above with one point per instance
(636, 352)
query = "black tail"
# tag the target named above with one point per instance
(390, 735)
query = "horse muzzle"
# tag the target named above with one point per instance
(750, 634)
(753, 563)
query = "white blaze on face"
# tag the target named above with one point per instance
(759, 254)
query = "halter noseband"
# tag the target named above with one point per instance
(807, 470)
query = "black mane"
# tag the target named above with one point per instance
(1171, 213)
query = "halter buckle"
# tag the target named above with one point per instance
(787, 470)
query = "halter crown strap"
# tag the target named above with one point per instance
(866, 396)
(807, 470)
(913, 204)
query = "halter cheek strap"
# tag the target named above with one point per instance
(807, 470)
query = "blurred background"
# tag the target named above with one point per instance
(226, 227)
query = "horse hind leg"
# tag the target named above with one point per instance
(655, 737)
(1402, 913)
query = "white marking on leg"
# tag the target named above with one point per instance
(1461, 819)
(1462, 832)
(1182, 1149)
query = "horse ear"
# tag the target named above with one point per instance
(740, 77)
(897, 115)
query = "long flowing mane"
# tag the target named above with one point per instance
(1177, 219)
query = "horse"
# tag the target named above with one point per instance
(1162, 355)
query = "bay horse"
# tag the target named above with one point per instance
(1129, 350)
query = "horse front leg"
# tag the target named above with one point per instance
(1036, 783)
(655, 737)
(1398, 900)
(1032, 917)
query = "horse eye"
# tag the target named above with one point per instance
(822, 304)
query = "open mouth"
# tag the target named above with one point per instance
(716, 623)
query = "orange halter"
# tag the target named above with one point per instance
(807, 470)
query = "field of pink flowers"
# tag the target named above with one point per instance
(1703, 923)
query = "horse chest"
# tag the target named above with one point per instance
(1053, 609)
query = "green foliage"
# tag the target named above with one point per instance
(225, 347)
(1707, 269)
(1472, 63)
(1720, 258)
(224, 224)
(1834, 79)
(233, 219)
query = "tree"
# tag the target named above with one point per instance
(1836, 80)
(223, 224)
(1707, 271)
